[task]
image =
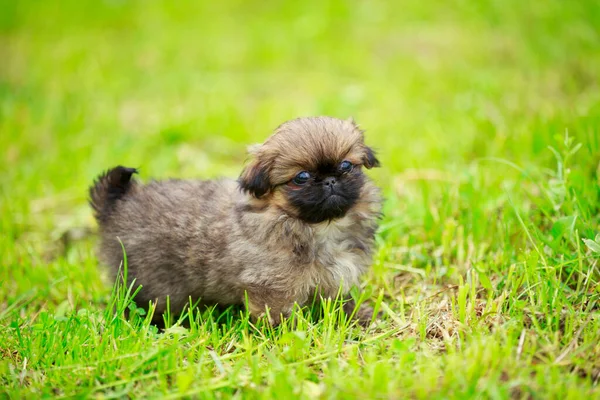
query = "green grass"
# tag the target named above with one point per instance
(486, 116)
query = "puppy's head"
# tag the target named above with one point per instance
(311, 168)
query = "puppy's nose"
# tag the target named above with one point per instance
(330, 181)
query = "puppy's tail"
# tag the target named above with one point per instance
(108, 188)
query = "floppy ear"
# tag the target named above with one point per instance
(255, 179)
(369, 159)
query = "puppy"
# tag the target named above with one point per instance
(299, 222)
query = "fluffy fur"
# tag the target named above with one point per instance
(269, 234)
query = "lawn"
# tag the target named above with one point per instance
(486, 118)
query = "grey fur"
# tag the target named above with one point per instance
(209, 240)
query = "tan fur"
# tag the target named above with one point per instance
(209, 240)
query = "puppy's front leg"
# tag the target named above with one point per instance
(275, 303)
(364, 314)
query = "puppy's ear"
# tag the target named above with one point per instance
(255, 177)
(255, 180)
(369, 159)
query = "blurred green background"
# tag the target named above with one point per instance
(182, 86)
(461, 99)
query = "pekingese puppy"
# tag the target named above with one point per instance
(300, 221)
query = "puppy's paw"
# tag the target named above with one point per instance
(363, 315)
(268, 305)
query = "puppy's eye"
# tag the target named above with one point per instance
(346, 166)
(301, 178)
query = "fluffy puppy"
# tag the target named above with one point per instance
(299, 222)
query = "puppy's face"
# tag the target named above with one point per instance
(311, 168)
